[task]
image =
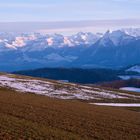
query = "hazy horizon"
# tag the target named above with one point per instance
(69, 27)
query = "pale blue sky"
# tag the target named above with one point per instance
(68, 10)
(85, 15)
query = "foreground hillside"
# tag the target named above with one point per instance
(69, 91)
(29, 116)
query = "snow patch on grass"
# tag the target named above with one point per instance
(118, 104)
(60, 90)
(130, 89)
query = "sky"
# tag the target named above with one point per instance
(44, 11)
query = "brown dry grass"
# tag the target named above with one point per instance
(34, 117)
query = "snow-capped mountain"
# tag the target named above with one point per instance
(84, 38)
(37, 41)
(132, 31)
(114, 49)
(115, 38)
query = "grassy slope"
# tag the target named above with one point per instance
(29, 116)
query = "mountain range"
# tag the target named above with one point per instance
(113, 49)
